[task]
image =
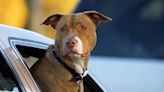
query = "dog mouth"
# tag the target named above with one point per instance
(77, 54)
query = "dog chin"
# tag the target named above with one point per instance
(74, 55)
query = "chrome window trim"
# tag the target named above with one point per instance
(12, 69)
(14, 41)
(28, 43)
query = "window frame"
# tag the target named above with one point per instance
(23, 42)
(18, 81)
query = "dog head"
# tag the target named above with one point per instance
(76, 33)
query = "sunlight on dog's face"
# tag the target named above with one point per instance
(75, 35)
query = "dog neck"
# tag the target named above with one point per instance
(79, 64)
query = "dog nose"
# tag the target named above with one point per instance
(71, 43)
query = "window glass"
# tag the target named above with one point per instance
(7, 79)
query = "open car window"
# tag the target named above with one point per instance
(8, 82)
(31, 54)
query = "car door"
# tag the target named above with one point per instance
(31, 51)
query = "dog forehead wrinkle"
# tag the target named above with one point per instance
(73, 22)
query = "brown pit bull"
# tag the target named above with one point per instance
(64, 65)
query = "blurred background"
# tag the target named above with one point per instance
(129, 55)
(29, 14)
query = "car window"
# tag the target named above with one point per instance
(32, 54)
(7, 80)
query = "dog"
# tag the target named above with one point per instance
(65, 64)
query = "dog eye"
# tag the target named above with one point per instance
(83, 27)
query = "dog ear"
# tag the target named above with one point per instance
(97, 17)
(52, 20)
